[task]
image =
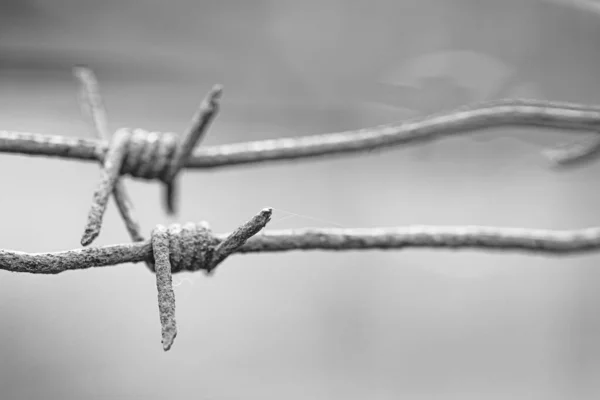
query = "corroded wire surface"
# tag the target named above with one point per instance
(193, 247)
(509, 112)
(92, 107)
(534, 241)
(138, 153)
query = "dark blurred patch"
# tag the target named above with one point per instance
(40, 64)
(544, 42)
(15, 11)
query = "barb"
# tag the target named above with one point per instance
(191, 248)
(200, 123)
(164, 284)
(148, 155)
(93, 106)
(108, 181)
(468, 119)
(91, 101)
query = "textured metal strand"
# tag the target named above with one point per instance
(511, 112)
(534, 241)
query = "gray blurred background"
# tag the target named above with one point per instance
(412, 324)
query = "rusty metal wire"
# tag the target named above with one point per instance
(524, 113)
(527, 241)
(193, 247)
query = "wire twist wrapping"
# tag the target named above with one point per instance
(147, 155)
(192, 247)
(138, 153)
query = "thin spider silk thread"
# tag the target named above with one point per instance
(292, 214)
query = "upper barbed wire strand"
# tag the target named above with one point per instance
(505, 112)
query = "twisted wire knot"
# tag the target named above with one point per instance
(189, 248)
(147, 155)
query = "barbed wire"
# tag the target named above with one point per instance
(193, 247)
(563, 116)
(470, 237)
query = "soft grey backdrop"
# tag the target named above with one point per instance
(372, 325)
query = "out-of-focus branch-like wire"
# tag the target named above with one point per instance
(138, 153)
(544, 242)
(573, 155)
(93, 106)
(517, 113)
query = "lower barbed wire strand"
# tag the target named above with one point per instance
(543, 242)
(465, 120)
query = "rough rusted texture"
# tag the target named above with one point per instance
(164, 285)
(93, 107)
(190, 247)
(148, 155)
(198, 128)
(138, 153)
(561, 116)
(532, 241)
(238, 237)
(109, 176)
(60, 261)
(193, 247)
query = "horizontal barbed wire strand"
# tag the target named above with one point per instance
(536, 241)
(508, 112)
